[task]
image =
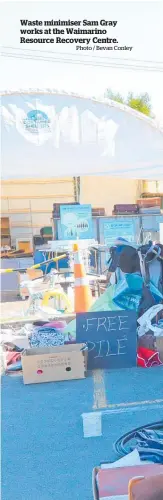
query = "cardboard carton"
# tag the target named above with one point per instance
(114, 482)
(51, 364)
(94, 483)
(159, 347)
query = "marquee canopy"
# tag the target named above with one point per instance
(51, 134)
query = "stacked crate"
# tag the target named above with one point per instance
(5, 232)
(46, 234)
(153, 203)
(126, 209)
(150, 212)
(98, 212)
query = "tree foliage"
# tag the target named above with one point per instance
(114, 97)
(141, 102)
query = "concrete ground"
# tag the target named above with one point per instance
(44, 452)
(16, 310)
(13, 305)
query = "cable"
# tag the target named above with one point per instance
(84, 63)
(120, 446)
(74, 61)
(82, 55)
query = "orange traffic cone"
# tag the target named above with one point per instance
(82, 293)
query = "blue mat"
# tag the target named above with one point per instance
(45, 455)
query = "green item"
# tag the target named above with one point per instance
(46, 230)
(103, 303)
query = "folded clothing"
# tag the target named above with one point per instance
(16, 367)
(46, 337)
(12, 357)
(13, 360)
(59, 325)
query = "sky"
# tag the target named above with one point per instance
(139, 25)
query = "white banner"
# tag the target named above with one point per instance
(46, 135)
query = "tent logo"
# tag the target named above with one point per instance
(37, 121)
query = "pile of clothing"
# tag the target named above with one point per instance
(138, 280)
(40, 334)
(48, 335)
(149, 444)
(136, 283)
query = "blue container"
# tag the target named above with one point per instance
(110, 228)
(151, 222)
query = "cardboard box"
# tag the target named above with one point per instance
(114, 482)
(159, 347)
(94, 483)
(51, 364)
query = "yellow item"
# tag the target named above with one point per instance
(55, 259)
(60, 295)
(25, 246)
(7, 271)
(35, 266)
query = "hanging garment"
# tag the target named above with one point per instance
(152, 321)
(128, 292)
(146, 261)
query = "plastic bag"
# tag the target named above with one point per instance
(128, 292)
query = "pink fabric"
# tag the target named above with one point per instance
(13, 357)
(60, 325)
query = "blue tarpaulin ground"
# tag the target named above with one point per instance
(44, 453)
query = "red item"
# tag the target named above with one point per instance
(146, 358)
(13, 357)
(112, 482)
(149, 202)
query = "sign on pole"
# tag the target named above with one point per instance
(111, 338)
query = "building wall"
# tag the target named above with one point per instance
(106, 192)
(153, 187)
(29, 203)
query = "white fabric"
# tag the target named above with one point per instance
(131, 459)
(115, 497)
(146, 319)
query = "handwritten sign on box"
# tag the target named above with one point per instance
(111, 338)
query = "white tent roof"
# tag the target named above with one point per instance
(49, 133)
